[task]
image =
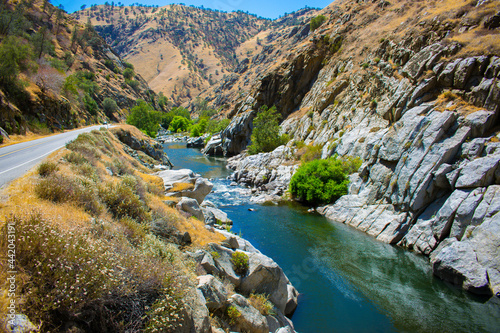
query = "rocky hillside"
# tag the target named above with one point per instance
(413, 89)
(98, 239)
(59, 74)
(179, 50)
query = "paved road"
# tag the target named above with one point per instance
(16, 160)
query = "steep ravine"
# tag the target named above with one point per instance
(422, 113)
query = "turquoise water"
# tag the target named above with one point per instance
(348, 281)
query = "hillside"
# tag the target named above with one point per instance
(180, 50)
(411, 88)
(58, 74)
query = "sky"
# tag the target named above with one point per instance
(265, 8)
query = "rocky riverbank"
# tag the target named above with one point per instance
(222, 285)
(428, 183)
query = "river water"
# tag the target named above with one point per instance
(348, 282)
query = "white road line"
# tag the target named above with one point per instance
(20, 165)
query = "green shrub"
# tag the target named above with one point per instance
(240, 262)
(265, 134)
(47, 168)
(90, 104)
(134, 84)
(216, 126)
(128, 65)
(316, 22)
(128, 73)
(109, 106)
(233, 314)
(122, 201)
(102, 283)
(261, 302)
(60, 188)
(111, 65)
(322, 181)
(1, 138)
(167, 314)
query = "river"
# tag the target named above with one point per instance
(348, 281)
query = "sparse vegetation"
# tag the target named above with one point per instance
(233, 314)
(261, 302)
(316, 22)
(85, 248)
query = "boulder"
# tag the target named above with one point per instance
(202, 187)
(292, 300)
(473, 148)
(489, 205)
(426, 57)
(215, 216)
(465, 212)
(442, 222)
(463, 72)
(266, 277)
(198, 142)
(249, 319)
(447, 75)
(243, 244)
(198, 313)
(208, 264)
(170, 177)
(485, 239)
(213, 291)
(188, 184)
(236, 136)
(480, 122)
(214, 146)
(224, 264)
(192, 207)
(479, 172)
(456, 262)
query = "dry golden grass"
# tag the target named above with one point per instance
(478, 42)
(178, 187)
(125, 239)
(448, 101)
(199, 235)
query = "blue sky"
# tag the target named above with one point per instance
(264, 8)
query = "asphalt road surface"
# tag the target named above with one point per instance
(16, 160)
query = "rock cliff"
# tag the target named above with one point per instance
(412, 89)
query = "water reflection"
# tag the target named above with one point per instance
(349, 282)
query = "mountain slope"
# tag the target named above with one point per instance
(56, 73)
(179, 50)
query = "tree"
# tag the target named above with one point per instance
(162, 100)
(145, 118)
(109, 106)
(266, 131)
(128, 73)
(41, 43)
(316, 22)
(179, 124)
(15, 58)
